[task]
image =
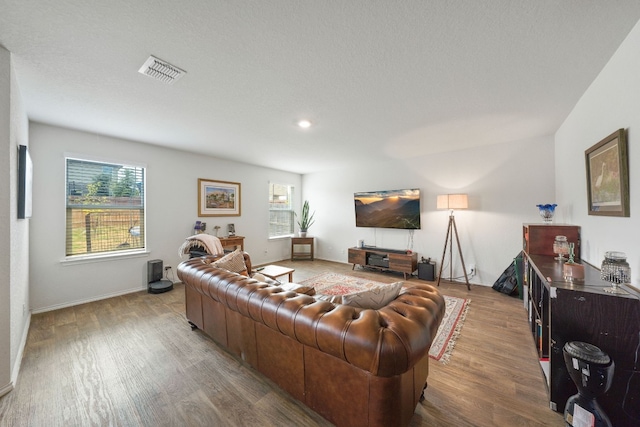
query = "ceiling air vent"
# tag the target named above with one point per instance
(161, 70)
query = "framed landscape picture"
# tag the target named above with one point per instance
(607, 165)
(218, 198)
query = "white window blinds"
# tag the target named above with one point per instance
(105, 207)
(281, 215)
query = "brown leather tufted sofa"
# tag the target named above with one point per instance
(355, 367)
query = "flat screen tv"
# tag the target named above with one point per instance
(388, 209)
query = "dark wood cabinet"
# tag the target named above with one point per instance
(385, 259)
(537, 239)
(560, 312)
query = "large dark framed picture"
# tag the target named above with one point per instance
(608, 176)
(218, 198)
(25, 179)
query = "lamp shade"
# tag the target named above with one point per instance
(452, 201)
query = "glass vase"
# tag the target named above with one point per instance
(615, 270)
(547, 211)
(561, 248)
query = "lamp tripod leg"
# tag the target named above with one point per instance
(464, 269)
(444, 251)
(450, 252)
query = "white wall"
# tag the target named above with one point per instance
(8, 168)
(504, 183)
(14, 233)
(171, 213)
(20, 314)
(612, 102)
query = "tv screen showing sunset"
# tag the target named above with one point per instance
(388, 209)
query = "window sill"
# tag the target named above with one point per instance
(288, 236)
(85, 259)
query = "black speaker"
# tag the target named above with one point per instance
(157, 285)
(154, 270)
(426, 271)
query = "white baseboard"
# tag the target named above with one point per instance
(23, 343)
(6, 389)
(78, 302)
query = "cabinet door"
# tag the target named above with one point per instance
(403, 263)
(608, 322)
(357, 256)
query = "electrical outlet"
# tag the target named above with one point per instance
(472, 270)
(167, 268)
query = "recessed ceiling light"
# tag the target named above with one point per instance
(304, 124)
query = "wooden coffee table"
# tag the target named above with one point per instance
(275, 271)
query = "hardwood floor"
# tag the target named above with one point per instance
(134, 361)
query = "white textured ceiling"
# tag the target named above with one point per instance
(379, 79)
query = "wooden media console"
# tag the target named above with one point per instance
(384, 259)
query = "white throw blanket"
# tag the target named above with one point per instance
(211, 244)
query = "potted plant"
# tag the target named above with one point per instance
(306, 219)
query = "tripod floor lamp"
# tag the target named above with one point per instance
(452, 202)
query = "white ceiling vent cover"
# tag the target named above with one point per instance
(161, 70)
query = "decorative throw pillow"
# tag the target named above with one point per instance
(233, 262)
(336, 299)
(375, 298)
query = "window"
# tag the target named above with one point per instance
(105, 208)
(281, 215)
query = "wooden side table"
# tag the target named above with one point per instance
(301, 241)
(235, 241)
(275, 271)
